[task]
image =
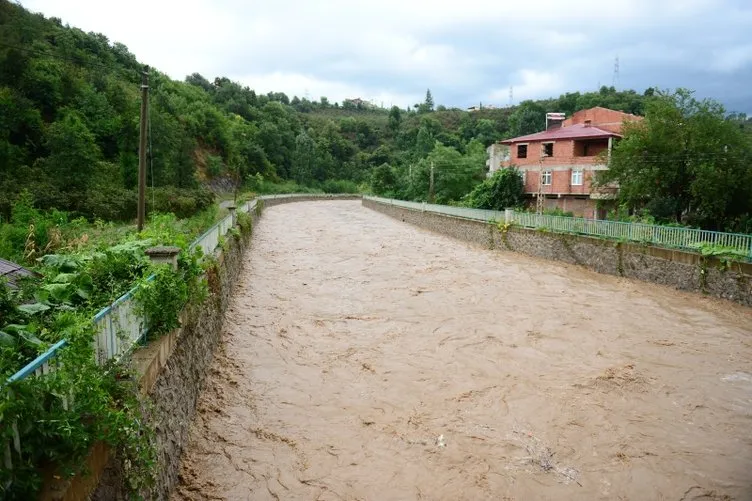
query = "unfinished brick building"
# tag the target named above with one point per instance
(560, 162)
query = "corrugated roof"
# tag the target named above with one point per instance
(578, 131)
(12, 272)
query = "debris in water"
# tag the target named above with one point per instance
(440, 442)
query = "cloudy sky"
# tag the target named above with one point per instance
(465, 51)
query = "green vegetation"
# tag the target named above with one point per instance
(61, 415)
(687, 162)
(69, 108)
(69, 113)
(503, 190)
(31, 233)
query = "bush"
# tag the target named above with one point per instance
(504, 189)
(339, 186)
(558, 211)
(214, 165)
(180, 201)
(111, 204)
(258, 184)
(31, 232)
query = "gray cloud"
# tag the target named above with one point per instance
(392, 50)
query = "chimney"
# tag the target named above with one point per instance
(588, 123)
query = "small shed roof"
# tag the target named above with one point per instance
(12, 272)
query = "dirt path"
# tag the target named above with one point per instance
(366, 359)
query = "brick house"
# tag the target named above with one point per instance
(560, 162)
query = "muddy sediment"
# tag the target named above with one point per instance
(365, 359)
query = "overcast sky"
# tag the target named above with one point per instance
(465, 51)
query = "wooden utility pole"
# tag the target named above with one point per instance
(142, 148)
(430, 186)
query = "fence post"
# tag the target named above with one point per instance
(164, 255)
(508, 215)
(233, 214)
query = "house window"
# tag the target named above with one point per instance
(548, 150)
(576, 178)
(521, 151)
(547, 174)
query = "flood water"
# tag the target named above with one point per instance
(366, 359)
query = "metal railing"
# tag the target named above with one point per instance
(463, 212)
(664, 236)
(689, 239)
(118, 327)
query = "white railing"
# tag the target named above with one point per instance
(663, 236)
(463, 212)
(118, 328)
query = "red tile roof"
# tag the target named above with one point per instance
(578, 131)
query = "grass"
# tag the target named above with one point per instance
(37, 233)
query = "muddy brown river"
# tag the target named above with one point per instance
(365, 359)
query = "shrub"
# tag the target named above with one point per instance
(501, 191)
(179, 201)
(339, 186)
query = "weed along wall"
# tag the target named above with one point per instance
(169, 371)
(687, 271)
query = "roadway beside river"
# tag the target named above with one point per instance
(366, 359)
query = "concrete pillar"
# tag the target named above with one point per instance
(164, 255)
(508, 215)
(233, 212)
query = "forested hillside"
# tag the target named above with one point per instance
(69, 113)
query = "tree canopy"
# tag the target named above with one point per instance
(685, 162)
(69, 124)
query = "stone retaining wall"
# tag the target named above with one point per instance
(173, 371)
(682, 270)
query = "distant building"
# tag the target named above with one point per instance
(357, 103)
(482, 107)
(560, 162)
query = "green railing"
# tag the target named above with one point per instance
(674, 237)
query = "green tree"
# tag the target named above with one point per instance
(685, 161)
(427, 105)
(424, 142)
(73, 159)
(395, 119)
(504, 189)
(528, 118)
(429, 100)
(455, 174)
(304, 159)
(384, 180)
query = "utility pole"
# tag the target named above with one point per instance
(615, 81)
(540, 197)
(142, 148)
(430, 186)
